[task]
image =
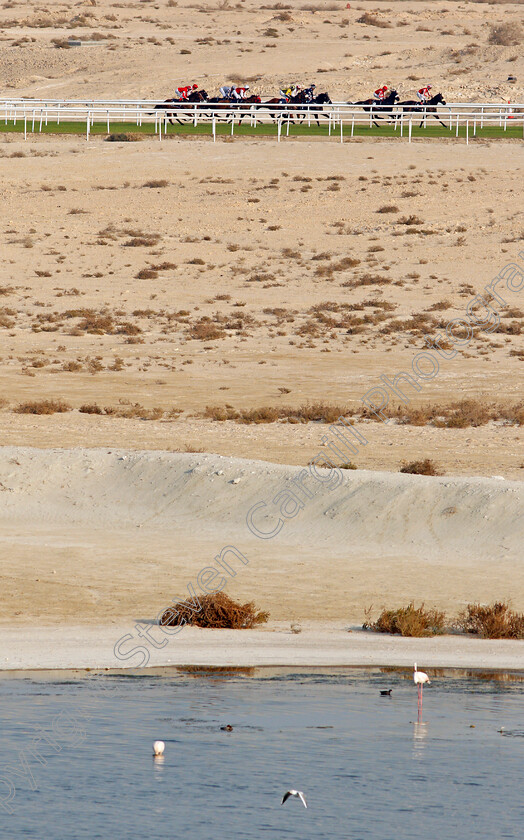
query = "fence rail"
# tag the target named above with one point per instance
(337, 116)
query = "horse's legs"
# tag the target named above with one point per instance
(439, 120)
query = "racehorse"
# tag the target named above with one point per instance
(429, 107)
(299, 107)
(172, 105)
(232, 107)
(390, 100)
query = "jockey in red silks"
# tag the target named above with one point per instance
(424, 94)
(380, 94)
(183, 92)
(239, 93)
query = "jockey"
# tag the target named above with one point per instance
(289, 92)
(380, 94)
(424, 94)
(183, 92)
(309, 93)
(226, 92)
(239, 93)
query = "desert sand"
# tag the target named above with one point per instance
(116, 536)
(150, 281)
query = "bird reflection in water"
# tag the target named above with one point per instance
(420, 734)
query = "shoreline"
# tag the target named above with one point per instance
(317, 645)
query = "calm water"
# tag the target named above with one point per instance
(368, 770)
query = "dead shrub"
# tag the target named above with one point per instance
(147, 274)
(43, 407)
(388, 208)
(496, 621)
(154, 185)
(216, 610)
(125, 137)
(505, 34)
(372, 20)
(91, 408)
(409, 621)
(424, 467)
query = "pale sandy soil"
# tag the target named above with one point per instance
(117, 536)
(318, 644)
(60, 267)
(245, 302)
(146, 49)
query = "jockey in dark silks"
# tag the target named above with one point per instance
(309, 93)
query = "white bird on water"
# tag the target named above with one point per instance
(158, 748)
(297, 793)
(419, 678)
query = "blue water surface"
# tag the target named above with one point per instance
(368, 768)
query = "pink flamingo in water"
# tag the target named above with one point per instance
(419, 678)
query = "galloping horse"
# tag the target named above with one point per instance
(388, 100)
(298, 107)
(232, 107)
(429, 108)
(173, 105)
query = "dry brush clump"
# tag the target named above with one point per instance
(43, 407)
(505, 34)
(423, 467)
(409, 621)
(495, 621)
(217, 611)
(310, 412)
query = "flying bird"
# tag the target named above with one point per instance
(297, 793)
(419, 678)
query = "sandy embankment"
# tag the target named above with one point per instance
(95, 541)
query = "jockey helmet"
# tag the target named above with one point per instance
(385, 87)
(247, 87)
(194, 87)
(429, 87)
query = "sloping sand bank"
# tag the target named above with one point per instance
(102, 536)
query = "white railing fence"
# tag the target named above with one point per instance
(339, 117)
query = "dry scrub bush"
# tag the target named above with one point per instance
(217, 610)
(505, 34)
(373, 20)
(310, 412)
(425, 467)
(43, 407)
(409, 621)
(496, 621)
(125, 137)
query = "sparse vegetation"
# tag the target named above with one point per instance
(408, 621)
(496, 621)
(506, 34)
(43, 407)
(216, 610)
(423, 467)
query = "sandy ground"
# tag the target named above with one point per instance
(146, 49)
(317, 645)
(118, 536)
(165, 278)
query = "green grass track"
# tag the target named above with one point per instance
(513, 132)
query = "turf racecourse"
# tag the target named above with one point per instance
(513, 132)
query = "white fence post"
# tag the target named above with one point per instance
(409, 133)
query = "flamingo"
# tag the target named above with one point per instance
(419, 678)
